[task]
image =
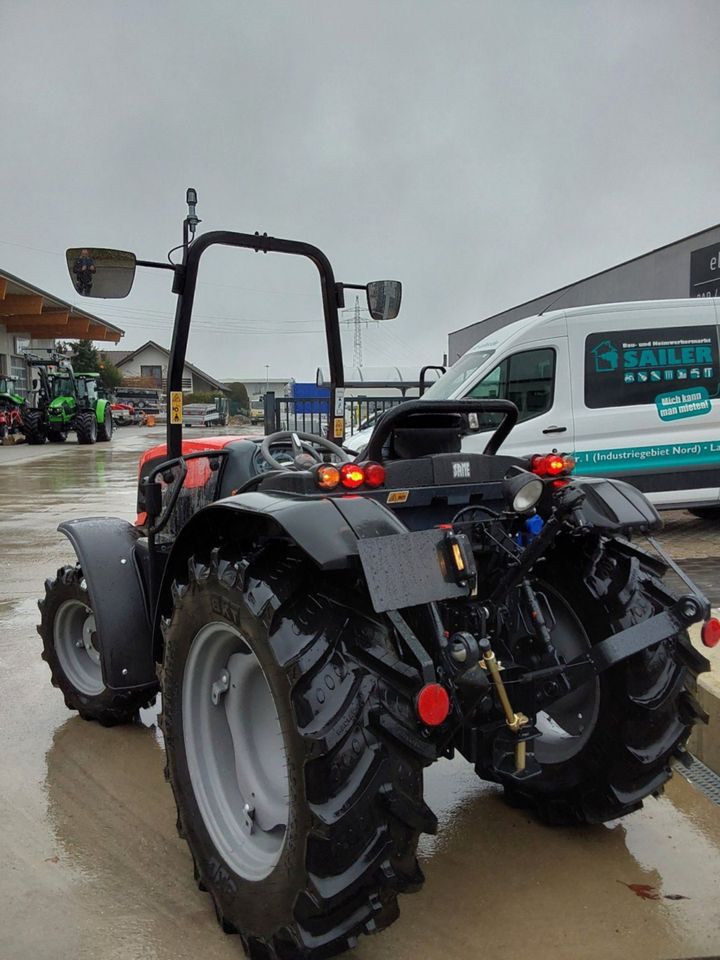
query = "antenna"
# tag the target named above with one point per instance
(553, 302)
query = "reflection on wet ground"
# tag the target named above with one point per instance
(94, 870)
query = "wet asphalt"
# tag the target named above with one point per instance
(92, 868)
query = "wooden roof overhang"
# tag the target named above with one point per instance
(25, 309)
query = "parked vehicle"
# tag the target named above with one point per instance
(65, 401)
(11, 407)
(143, 399)
(630, 390)
(206, 414)
(322, 629)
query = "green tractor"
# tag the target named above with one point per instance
(11, 405)
(65, 401)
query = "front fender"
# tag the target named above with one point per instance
(106, 548)
(100, 409)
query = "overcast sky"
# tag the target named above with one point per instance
(481, 152)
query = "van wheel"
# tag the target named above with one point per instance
(706, 513)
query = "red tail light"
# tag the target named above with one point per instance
(374, 474)
(552, 465)
(352, 475)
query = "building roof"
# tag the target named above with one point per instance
(559, 291)
(27, 309)
(152, 343)
(116, 356)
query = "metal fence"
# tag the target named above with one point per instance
(310, 415)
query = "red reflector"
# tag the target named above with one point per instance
(433, 704)
(351, 475)
(374, 474)
(711, 632)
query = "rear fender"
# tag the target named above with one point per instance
(327, 530)
(107, 550)
(615, 508)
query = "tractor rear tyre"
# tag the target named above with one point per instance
(33, 426)
(71, 647)
(608, 744)
(302, 814)
(86, 427)
(105, 429)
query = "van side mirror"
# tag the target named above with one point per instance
(97, 272)
(383, 298)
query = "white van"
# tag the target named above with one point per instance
(630, 389)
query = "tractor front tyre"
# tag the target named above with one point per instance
(105, 429)
(302, 814)
(33, 427)
(86, 427)
(607, 745)
(72, 649)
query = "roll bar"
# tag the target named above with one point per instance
(185, 285)
(390, 419)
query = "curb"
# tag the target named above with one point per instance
(704, 742)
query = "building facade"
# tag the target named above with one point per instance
(148, 365)
(687, 268)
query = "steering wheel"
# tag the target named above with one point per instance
(303, 444)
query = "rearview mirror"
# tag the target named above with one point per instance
(383, 297)
(96, 272)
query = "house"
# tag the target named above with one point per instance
(32, 319)
(148, 365)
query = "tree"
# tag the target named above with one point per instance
(85, 358)
(238, 397)
(110, 375)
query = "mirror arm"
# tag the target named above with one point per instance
(158, 266)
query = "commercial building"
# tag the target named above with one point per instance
(33, 319)
(686, 268)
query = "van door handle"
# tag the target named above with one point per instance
(555, 430)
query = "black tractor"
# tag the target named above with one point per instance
(324, 626)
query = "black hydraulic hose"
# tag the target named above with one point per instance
(390, 419)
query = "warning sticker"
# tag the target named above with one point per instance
(339, 428)
(176, 406)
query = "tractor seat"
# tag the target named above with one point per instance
(421, 435)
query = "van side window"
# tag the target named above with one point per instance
(527, 378)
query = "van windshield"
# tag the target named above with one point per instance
(457, 375)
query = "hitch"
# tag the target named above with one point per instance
(515, 721)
